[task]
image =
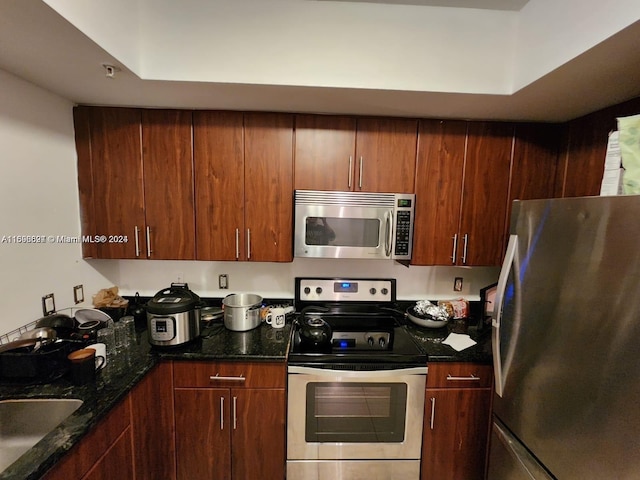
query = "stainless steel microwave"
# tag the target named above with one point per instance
(353, 225)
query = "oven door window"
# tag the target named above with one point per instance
(355, 412)
(342, 232)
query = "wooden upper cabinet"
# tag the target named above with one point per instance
(462, 188)
(439, 177)
(345, 154)
(117, 186)
(168, 184)
(268, 143)
(486, 192)
(219, 172)
(324, 152)
(135, 175)
(386, 155)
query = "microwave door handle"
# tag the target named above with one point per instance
(389, 234)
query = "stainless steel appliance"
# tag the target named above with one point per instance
(353, 225)
(173, 316)
(565, 337)
(356, 399)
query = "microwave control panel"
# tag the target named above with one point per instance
(403, 226)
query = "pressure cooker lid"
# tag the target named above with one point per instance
(176, 299)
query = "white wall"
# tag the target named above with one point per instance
(38, 196)
(276, 280)
(551, 33)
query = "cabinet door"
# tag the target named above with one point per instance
(168, 184)
(153, 428)
(486, 193)
(203, 442)
(81, 119)
(117, 179)
(268, 143)
(219, 185)
(441, 151)
(116, 463)
(324, 152)
(456, 430)
(258, 436)
(386, 155)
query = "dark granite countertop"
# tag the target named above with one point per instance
(430, 340)
(121, 374)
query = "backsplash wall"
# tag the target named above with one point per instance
(276, 280)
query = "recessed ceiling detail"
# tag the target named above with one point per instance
(515, 5)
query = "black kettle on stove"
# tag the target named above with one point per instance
(315, 332)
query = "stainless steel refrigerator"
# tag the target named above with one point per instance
(566, 342)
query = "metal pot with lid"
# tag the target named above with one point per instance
(173, 316)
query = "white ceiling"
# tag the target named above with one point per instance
(39, 45)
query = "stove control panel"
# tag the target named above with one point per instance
(346, 290)
(361, 340)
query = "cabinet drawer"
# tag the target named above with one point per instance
(459, 375)
(228, 374)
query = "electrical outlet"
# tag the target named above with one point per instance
(48, 304)
(179, 277)
(457, 284)
(223, 281)
(78, 294)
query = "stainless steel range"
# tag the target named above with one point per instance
(356, 384)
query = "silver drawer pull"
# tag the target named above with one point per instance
(470, 378)
(217, 376)
(221, 413)
(433, 412)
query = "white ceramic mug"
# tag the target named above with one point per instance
(101, 354)
(276, 317)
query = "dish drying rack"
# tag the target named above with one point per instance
(14, 334)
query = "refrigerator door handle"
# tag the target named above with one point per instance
(507, 265)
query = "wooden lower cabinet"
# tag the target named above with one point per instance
(105, 452)
(115, 463)
(230, 420)
(456, 421)
(152, 427)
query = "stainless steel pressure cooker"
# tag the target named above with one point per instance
(173, 316)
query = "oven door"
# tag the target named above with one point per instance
(358, 415)
(338, 231)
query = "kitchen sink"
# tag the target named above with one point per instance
(24, 422)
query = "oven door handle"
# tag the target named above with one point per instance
(326, 372)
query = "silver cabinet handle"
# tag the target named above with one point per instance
(237, 243)
(221, 413)
(433, 412)
(455, 249)
(149, 251)
(137, 241)
(248, 243)
(464, 250)
(350, 170)
(217, 377)
(361, 169)
(470, 378)
(235, 417)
